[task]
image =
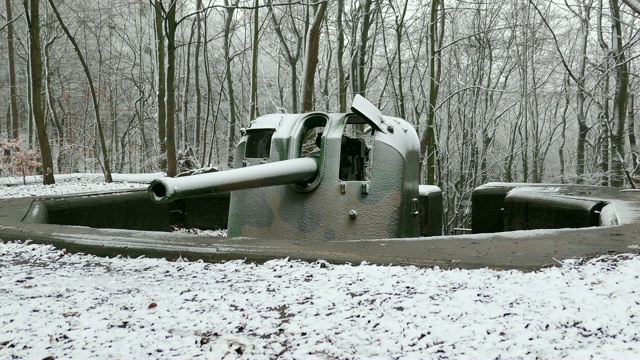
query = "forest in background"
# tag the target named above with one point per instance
(514, 91)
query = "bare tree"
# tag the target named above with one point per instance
(161, 78)
(58, 121)
(200, 140)
(603, 117)
(313, 43)
(342, 85)
(253, 113)
(428, 142)
(292, 56)
(634, 5)
(228, 20)
(631, 132)
(360, 56)
(583, 13)
(13, 91)
(171, 24)
(620, 97)
(106, 167)
(32, 11)
(166, 26)
(399, 30)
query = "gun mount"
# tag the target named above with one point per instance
(319, 176)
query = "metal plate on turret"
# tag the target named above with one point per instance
(368, 111)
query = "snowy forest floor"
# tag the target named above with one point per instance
(61, 305)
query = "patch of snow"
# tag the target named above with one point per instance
(535, 189)
(516, 234)
(141, 178)
(626, 211)
(609, 215)
(215, 233)
(66, 187)
(425, 190)
(61, 305)
(37, 179)
(516, 184)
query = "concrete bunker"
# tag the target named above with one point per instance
(499, 207)
(131, 210)
(496, 207)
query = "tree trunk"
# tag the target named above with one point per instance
(428, 141)
(619, 99)
(253, 112)
(13, 103)
(399, 50)
(605, 137)
(141, 102)
(186, 98)
(30, 117)
(313, 44)
(200, 149)
(362, 47)
(172, 166)
(342, 84)
(58, 125)
(207, 72)
(603, 117)
(161, 92)
(508, 167)
(631, 130)
(32, 9)
(230, 92)
(563, 133)
(583, 128)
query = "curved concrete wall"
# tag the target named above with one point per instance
(131, 210)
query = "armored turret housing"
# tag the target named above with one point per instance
(320, 176)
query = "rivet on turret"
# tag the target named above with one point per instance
(390, 128)
(353, 214)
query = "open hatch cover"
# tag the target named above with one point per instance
(369, 112)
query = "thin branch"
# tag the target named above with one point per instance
(557, 44)
(243, 7)
(11, 22)
(634, 5)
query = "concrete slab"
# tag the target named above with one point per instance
(523, 250)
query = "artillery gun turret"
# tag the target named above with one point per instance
(319, 176)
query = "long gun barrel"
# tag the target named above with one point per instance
(283, 172)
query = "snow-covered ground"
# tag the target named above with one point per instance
(59, 305)
(66, 184)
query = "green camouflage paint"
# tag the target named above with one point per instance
(346, 200)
